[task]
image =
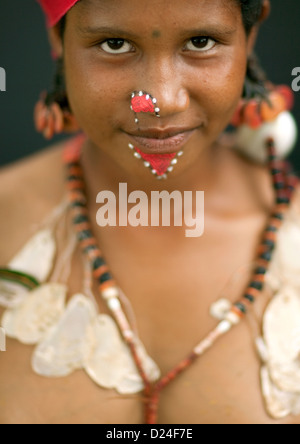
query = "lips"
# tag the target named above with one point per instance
(158, 142)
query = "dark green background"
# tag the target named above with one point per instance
(24, 54)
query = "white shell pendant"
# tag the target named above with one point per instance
(8, 323)
(11, 294)
(64, 348)
(31, 320)
(36, 259)
(282, 337)
(280, 352)
(279, 404)
(285, 266)
(110, 363)
(252, 141)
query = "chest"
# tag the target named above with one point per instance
(170, 288)
(221, 388)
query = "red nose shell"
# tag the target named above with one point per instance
(142, 104)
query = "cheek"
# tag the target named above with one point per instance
(220, 88)
(97, 94)
(92, 93)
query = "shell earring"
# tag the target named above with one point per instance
(52, 113)
(259, 119)
(51, 119)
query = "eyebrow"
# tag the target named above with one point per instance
(214, 30)
(90, 31)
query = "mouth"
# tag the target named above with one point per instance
(155, 141)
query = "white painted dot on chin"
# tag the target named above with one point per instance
(162, 177)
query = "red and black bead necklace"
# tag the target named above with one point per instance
(284, 183)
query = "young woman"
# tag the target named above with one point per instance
(152, 86)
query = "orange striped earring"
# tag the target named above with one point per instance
(51, 119)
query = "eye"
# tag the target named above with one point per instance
(200, 44)
(116, 46)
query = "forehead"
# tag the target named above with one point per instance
(157, 13)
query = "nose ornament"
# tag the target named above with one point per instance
(160, 165)
(142, 102)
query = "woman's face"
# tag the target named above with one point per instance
(190, 55)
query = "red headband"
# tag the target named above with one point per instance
(55, 9)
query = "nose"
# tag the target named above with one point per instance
(164, 81)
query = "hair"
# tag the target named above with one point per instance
(255, 82)
(251, 12)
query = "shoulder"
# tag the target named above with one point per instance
(29, 189)
(296, 199)
(292, 218)
(293, 213)
(25, 173)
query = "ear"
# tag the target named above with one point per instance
(55, 40)
(265, 12)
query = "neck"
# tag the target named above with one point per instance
(232, 186)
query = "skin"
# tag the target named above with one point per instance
(155, 267)
(196, 97)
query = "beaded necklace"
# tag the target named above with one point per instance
(284, 183)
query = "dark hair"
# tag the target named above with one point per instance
(251, 12)
(255, 77)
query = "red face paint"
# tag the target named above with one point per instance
(158, 162)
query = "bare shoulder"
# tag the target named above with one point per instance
(296, 197)
(29, 189)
